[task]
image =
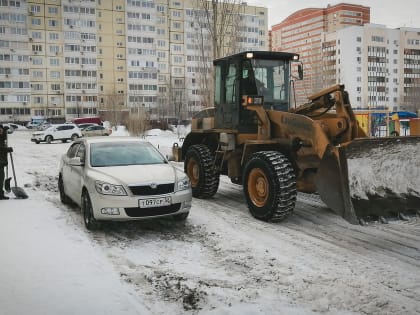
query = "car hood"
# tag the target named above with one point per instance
(136, 174)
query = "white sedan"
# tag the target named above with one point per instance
(122, 178)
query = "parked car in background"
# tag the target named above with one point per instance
(85, 125)
(97, 130)
(61, 132)
(33, 125)
(11, 127)
(84, 120)
(35, 122)
(122, 178)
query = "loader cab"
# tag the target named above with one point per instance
(265, 75)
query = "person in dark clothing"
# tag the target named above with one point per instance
(250, 84)
(4, 149)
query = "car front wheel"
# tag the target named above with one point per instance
(87, 211)
(49, 139)
(63, 197)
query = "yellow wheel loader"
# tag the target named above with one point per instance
(259, 140)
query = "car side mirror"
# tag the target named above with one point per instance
(76, 161)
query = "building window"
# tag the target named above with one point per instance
(52, 23)
(55, 74)
(379, 39)
(35, 21)
(37, 74)
(54, 36)
(54, 62)
(54, 49)
(36, 48)
(52, 10)
(36, 35)
(35, 8)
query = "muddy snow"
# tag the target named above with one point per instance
(220, 261)
(388, 169)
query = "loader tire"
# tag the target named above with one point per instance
(200, 169)
(269, 186)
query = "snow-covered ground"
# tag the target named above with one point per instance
(220, 261)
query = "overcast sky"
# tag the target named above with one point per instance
(392, 13)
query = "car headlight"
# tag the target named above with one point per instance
(183, 183)
(110, 189)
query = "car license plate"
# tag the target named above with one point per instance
(155, 202)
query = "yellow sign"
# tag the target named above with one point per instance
(363, 121)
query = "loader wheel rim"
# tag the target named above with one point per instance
(193, 171)
(258, 187)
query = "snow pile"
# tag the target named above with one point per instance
(120, 131)
(390, 170)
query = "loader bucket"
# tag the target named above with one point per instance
(372, 178)
(332, 183)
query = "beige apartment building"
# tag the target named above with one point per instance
(62, 59)
(302, 33)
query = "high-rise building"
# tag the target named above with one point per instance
(72, 58)
(380, 67)
(302, 32)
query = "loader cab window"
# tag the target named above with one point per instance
(226, 94)
(272, 77)
(217, 85)
(230, 84)
(225, 85)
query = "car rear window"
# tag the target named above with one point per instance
(124, 153)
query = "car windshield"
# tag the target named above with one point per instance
(124, 153)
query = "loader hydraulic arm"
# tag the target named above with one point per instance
(341, 125)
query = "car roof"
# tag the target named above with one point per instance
(112, 139)
(65, 124)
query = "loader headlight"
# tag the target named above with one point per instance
(110, 189)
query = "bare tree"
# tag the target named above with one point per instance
(113, 108)
(138, 121)
(220, 19)
(217, 24)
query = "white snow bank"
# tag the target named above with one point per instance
(393, 169)
(120, 131)
(49, 266)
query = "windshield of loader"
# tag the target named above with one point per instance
(272, 81)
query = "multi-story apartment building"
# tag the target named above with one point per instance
(380, 67)
(71, 58)
(302, 32)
